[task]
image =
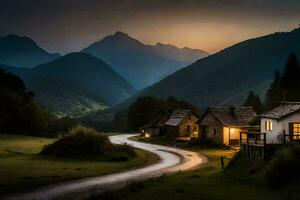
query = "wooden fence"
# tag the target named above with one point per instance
(253, 145)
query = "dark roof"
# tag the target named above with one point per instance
(177, 117)
(233, 116)
(156, 122)
(283, 110)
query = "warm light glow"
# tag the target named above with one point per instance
(296, 130)
(147, 135)
(232, 130)
(268, 125)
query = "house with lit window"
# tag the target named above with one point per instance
(182, 125)
(282, 121)
(223, 124)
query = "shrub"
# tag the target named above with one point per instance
(204, 142)
(82, 142)
(284, 167)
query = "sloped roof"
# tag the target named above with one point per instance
(157, 121)
(233, 116)
(177, 117)
(283, 110)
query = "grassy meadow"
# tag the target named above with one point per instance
(22, 168)
(205, 183)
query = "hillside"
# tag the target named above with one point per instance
(61, 97)
(140, 64)
(227, 76)
(23, 52)
(90, 73)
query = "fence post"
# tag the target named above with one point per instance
(241, 136)
(222, 162)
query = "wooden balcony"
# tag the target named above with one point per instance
(253, 145)
(253, 138)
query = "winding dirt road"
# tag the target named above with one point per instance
(171, 161)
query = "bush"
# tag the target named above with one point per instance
(204, 142)
(82, 142)
(284, 167)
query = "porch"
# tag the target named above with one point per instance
(253, 145)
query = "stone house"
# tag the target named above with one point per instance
(182, 124)
(224, 124)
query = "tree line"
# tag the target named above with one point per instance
(21, 114)
(284, 87)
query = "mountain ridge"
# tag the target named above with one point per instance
(60, 97)
(140, 64)
(91, 73)
(22, 51)
(226, 77)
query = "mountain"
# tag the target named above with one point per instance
(180, 54)
(140, 64)
(226, 77)
(61, 97)
(90, 73)
(23, 52)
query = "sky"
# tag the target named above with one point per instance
(70, 25)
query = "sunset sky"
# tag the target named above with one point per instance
(211, 25)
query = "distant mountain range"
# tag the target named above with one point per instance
(75, 84)
(79, 83)
(226, 77)
(23, 52)
(61, 97)
(91, 73)
(140, 64)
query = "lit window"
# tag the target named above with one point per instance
(296, 130)
(268, 125)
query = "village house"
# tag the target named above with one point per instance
(182, 125)
(224, 124)
(156, 126)
(282, 123)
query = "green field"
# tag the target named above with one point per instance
(21, 168)
(206, 183)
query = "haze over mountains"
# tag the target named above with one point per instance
(140, 64)
(92, 74)
(85, 83)
(61, 97)
(79, 83)
(227, 77)
(75, 84)
(23, 52)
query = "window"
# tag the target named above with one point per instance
(296, 130)
(268, 126)
(188, 128)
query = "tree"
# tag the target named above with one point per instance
(285, 86)
(144, 109)
(275, 93)
(291, 79)
(20, 114)
(254, 101)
